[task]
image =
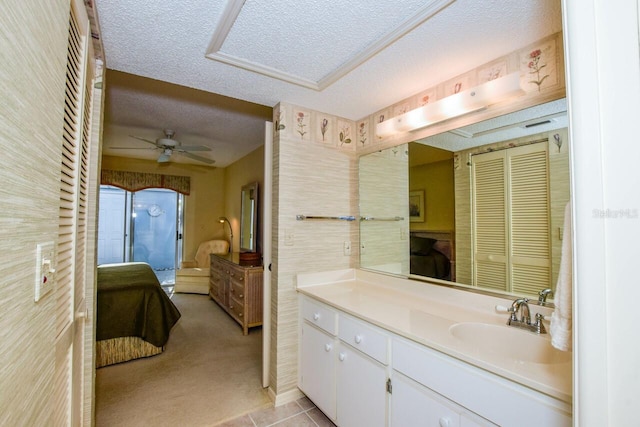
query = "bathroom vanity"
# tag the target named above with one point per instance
(379, 350)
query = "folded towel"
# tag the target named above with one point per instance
(561, 319)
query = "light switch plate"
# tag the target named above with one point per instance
(347, 248)
(45, 267)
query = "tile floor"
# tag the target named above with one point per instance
(301, 413)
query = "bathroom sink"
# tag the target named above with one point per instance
(505, 342)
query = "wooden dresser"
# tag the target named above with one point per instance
(237, 289)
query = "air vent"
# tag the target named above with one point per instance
(532, 125)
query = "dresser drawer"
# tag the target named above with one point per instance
(235, 273)
(237, 290)
(236, 307)
(364, 337)
(320, 315)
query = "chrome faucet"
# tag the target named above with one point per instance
(542, 296)
(521, 305)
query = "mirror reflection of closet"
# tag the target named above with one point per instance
(445, 171)
(248, 217)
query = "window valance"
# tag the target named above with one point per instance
(135, 181)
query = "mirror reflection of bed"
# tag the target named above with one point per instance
(432, 254)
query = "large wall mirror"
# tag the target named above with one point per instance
(248, 217)
(481, 206)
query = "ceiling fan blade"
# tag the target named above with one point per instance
(143, 139)
(196, 157)
(192, 148)
(132, 148)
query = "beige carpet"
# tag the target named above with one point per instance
(208, 373)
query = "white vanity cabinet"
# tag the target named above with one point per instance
(318, 355)
(344, 373)
(346, 365)
(480, 397)
(413, 404)
(361, 374)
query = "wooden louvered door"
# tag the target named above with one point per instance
(530, 256)
(70, 268)
(490, 226)
(511, 227)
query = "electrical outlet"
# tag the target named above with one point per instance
(45, 267)
(347, 248)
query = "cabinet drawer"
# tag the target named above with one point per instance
(235, 273)
(320, 315)
(237, 290)
(366, 338)
(237, 307)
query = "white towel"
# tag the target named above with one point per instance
(561, 319)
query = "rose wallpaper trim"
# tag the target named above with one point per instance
(302, 123)
(536, 67)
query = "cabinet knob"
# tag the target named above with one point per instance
(241, 296)
(240, 314)
(444, 422)
(328, 347)
(241, 278)
(232, 290)
(358, 339)
(316, 316)
(231, 306)
(342, 356)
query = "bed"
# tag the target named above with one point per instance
(134, 314)
(430, 255)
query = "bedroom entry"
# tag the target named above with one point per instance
(144, 226)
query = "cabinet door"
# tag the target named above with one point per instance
(415, 405)
(317, 368)
(362, 392)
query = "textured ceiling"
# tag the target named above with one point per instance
(167, 41)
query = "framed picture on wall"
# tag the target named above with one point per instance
(416, 206)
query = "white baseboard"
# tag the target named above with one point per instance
(286, 397)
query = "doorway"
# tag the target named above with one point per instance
(141, 226)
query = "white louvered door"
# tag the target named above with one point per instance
(529, 219)
(490, 220)
(70, 268)
(511, 225)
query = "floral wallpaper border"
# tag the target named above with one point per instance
(539, 64)
(308, 126)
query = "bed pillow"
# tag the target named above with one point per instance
(421, 245)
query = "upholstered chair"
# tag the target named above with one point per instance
(193, 275)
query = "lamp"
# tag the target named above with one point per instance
(222, 220)
(464, 102)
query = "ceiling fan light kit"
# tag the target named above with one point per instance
(169, 146)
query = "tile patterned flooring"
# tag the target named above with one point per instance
(301, 413)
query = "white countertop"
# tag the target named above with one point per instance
(424, 312)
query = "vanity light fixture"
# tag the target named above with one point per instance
(464, 102)
(222, 220)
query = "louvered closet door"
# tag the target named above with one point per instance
(511, 227)
(489, 220)
(530, 222)
(70, 268)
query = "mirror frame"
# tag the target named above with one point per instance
(249, 217)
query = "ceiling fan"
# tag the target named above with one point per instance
(169, 146)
